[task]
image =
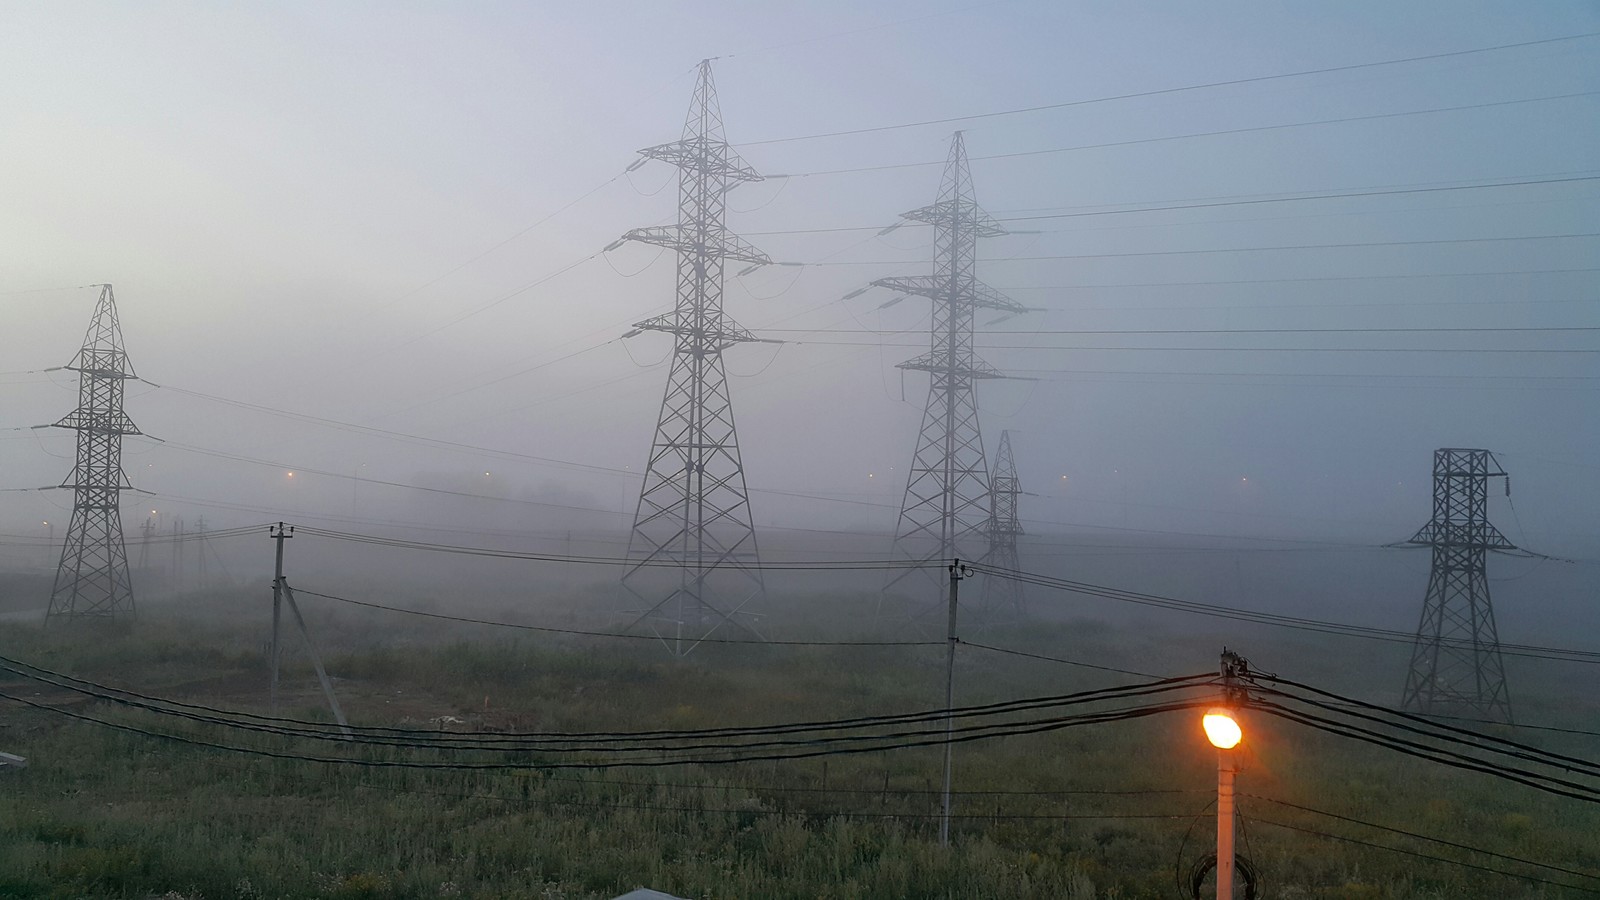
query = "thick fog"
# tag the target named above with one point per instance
(358, 247)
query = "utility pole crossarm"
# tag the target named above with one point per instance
(686, 239)
(720, 333)
(957, 211)
(973, 294)
(943, 361)
(704, 155)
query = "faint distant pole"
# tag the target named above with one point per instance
(145, 532)
(355, 491)
(200, 550)
(177, 552)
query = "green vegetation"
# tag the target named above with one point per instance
(104, 813)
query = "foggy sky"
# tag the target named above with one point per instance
(293, 199)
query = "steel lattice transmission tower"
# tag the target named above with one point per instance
(92, 579)
(1003, 596)
(945, 511)
(693, 548)
(1455, 663)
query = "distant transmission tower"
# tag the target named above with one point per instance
(693, 546)
(1002, 597)
(946, 505)
(1455, 662)
(92, 579)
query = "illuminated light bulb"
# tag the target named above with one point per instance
(1222, 730)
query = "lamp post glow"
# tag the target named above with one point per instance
(1223, 730)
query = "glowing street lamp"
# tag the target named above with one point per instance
(1224, 733)
(1222, 729)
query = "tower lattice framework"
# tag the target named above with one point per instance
(92, 578)
(1456, 667)
(945, 510)
(695, 561)
(1003, 597)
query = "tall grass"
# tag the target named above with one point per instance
(101, 813)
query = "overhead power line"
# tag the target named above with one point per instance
(607, 741)
(1423, 837)
(1215, 204)
(801, 566)
(1266, 618)
(1091, 347)
(1187, 331)
(1419, 855)
(1562, 787)
(1203, 251)
(1210, 85)
(938, 737)
(1224, 132)
(1423, 725)
(468, 620)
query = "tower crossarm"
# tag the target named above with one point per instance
(977, 295)
(711, 157)
(1470, 535)
(99, 421)
(685, 240)
(941, 362)
(957, 211)
(986, 297)
(718, 332)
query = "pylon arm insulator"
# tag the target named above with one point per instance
(989, 298)
(960, 212)
(122, 485)
(711, 157)
(104, 423)
(939, 361)
(720, 333)
(676, 237)
(981, 296)
(1477, 535)
(102, 372)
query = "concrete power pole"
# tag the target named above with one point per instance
(696, 565)
(946, 504)
(92, 578)
(1455, 662)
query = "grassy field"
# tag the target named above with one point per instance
(1109, 811)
